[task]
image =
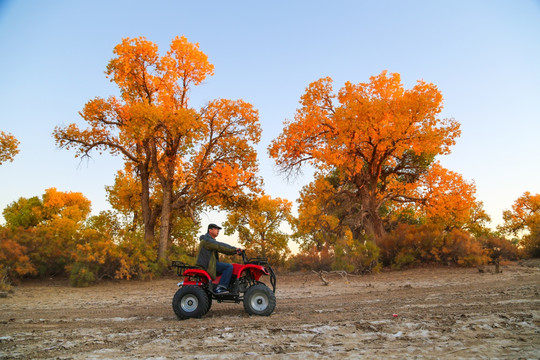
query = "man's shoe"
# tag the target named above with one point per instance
(221, 290)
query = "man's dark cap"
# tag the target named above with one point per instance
(214, 226)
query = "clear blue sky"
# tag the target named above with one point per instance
(483, 55)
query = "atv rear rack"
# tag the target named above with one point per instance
(181, 267)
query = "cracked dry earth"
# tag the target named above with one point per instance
(441, 313)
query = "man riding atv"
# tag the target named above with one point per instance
(208, 257)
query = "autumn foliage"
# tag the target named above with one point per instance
(14, 261)
(259, 226)
(523, 223)
(413, 245)
(9, 147)
(54, 235)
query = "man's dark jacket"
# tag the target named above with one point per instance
(208, 253)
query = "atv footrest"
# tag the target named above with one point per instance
(227, 298)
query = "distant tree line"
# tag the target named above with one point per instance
(379, 196)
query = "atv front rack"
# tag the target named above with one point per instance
(258, 261)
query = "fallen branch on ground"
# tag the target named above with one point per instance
(320, 273)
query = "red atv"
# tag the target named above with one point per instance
(197, 290)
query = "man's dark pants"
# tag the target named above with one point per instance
(226, 271)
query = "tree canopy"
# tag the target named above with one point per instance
(374, 144)
(189, 159)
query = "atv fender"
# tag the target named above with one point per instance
(256, 271)
(198, 272)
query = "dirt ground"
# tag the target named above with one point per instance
(421, 313)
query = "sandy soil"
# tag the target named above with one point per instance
(441, 313)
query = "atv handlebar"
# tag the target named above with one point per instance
(256, 261)
(242, 253)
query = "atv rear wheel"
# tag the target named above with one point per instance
(259, 300)
(190, 302)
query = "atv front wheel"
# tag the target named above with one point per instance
(209, 303)
(259, 300)
(190, 302)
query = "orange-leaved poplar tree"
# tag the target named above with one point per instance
(123, 126)
(196, 157)
(524, 216)
(259, 225)
(523, 222)
(9, 147)
(376, 140)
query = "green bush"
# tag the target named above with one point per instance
(80, 275)
(403, 259)
(357, 256)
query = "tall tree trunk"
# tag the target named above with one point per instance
(263, 246)
(165, 227)
(148, 220)
(373, 223)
